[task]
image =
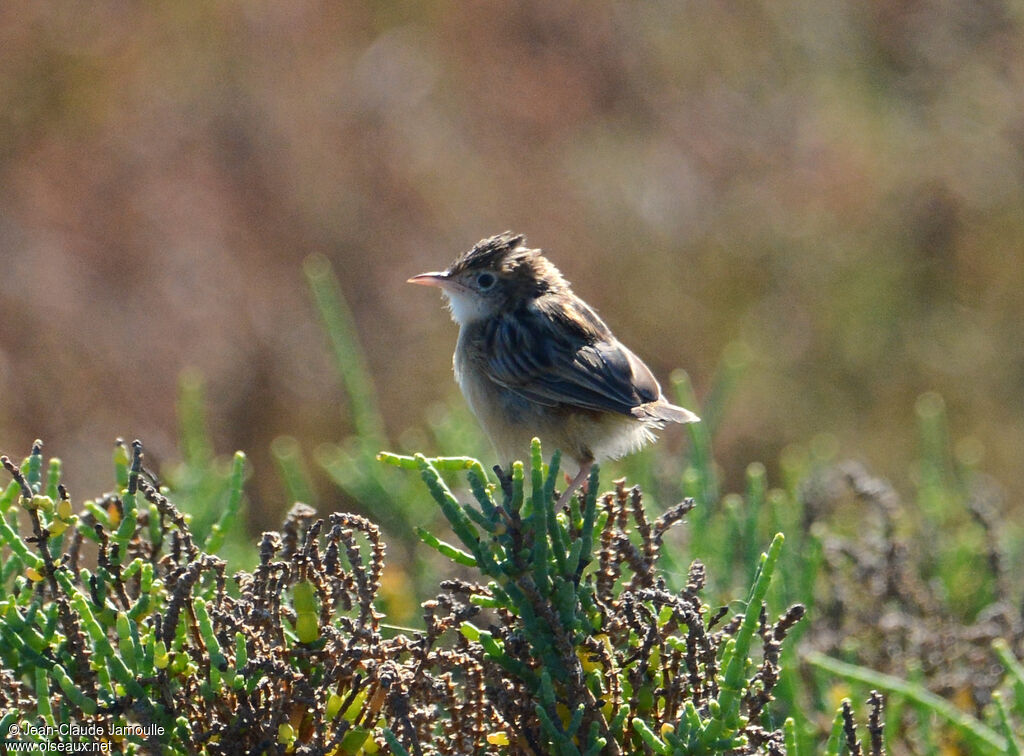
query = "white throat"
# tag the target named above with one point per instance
(465, 307)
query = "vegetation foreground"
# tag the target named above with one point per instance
(563, 633)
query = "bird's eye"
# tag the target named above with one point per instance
(485, 280)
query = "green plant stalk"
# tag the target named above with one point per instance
(539, 514)
(735, 659)
(396, 747)
(478, 486)
(835, 738)
(75, 694)
(756, 499)
(148, 642)
(597, 742)
(973, 731)
(33, 467)
(481, 520)
(577, 721)
(128, 642)
(183, 733)
(499, 593)
(927, 739)
(540, 634)
(156, 536)
(1013, 745)
(486, 602)
(701, 456)
(24, 594)
(783, 516)
(24, 627)
(9, 719)
(22, 648)
(348, 355)
(234, 675)
(546, 690)
(213, 651)
(49, 628)
(554, 528)
(812, 553)
(458, 519)
(443, 464)
(9, 496)
(552, 478)
(586, 537)
(101, 515)
(193, 434)
(446, 549)
(53, 473)
(148, 597)
(563, 742)
(126, 530)
(122, 460)
(13, 565)
(789, 733)
(651, 740)
(733, 558)
(497, 653)
(18, 546)
(43, 705)
(517, 486)
(113, 661)
(227, 519)
(936, 463)
(353, 740)
(734, 362)
(288, 457)
(180, 642)
(134, 566)
(1016, 673)
(566, 601)
(33, 609)
(787, 691)
(103, 583)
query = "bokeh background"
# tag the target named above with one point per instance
(833, 189)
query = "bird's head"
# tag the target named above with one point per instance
(497, 275)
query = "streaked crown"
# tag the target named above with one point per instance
(524, 270)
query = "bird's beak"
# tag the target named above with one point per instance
(440, 280)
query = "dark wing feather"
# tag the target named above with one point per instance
(562, 354)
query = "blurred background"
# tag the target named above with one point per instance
(830, 192)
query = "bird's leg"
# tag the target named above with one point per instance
(581, 476)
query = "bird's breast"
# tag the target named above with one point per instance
(489, 401)
(509, 419)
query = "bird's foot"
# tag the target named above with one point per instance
(579, 482)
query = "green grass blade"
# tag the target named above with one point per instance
(288, 457)
(348, 354)
(978, 734)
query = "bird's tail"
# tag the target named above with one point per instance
(663, 412)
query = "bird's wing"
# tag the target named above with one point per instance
(561, 353)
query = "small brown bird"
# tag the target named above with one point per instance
(533, 359)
